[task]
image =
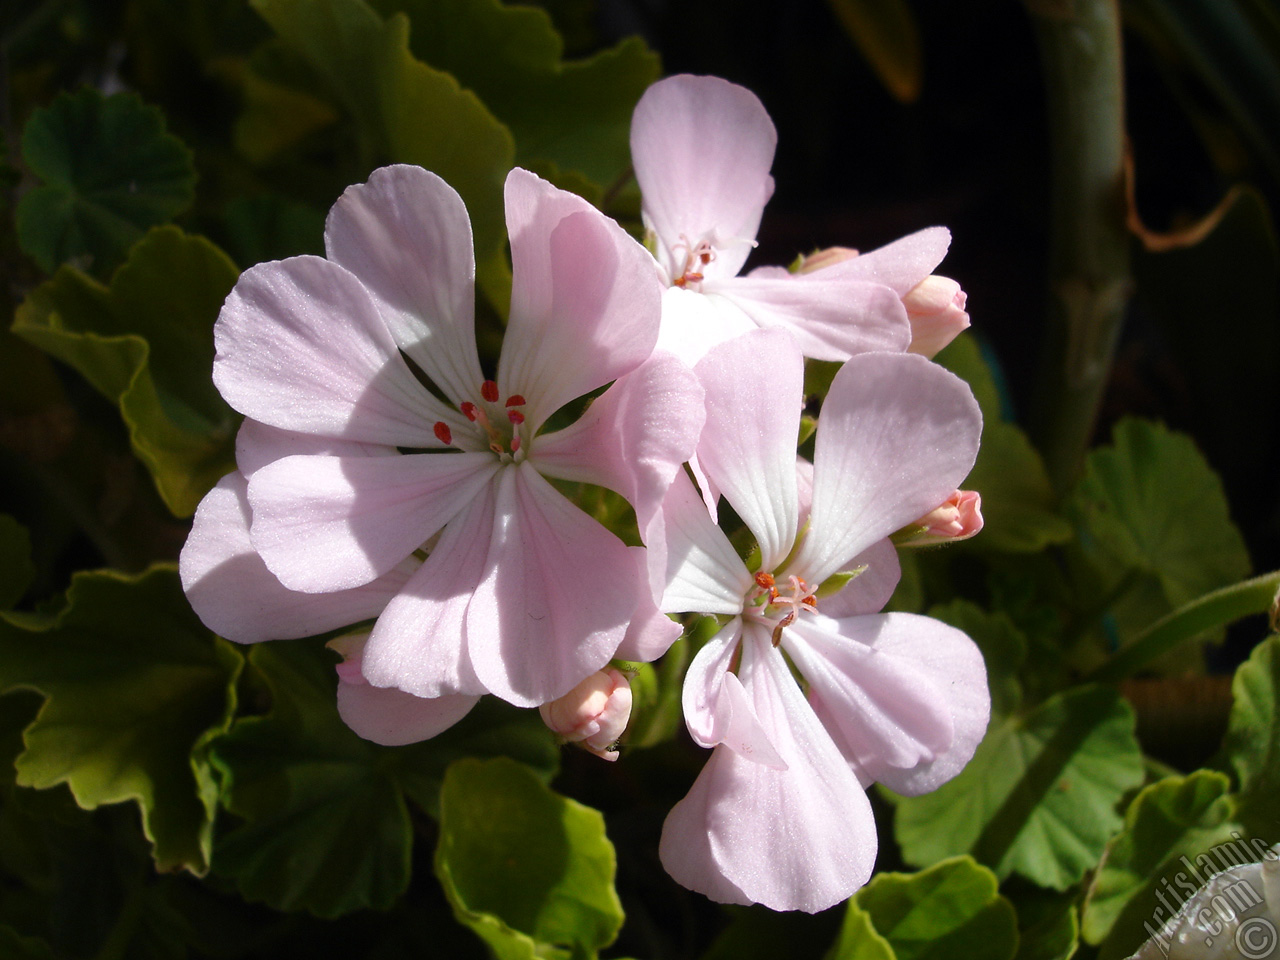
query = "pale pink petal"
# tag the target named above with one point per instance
(702, 148)
(633, 437)
(386, 715)
(831, 319)
(870, 590)
(406, 235)
(419, 642)
(717, 709)
(896, 435)
(650, 633)
(904, 696)
(585, 299)
(258, 444)
(900, 265)
(802, 838)
(331, 523)
(237, 597)
(300, 345)
(558, 594)
(693, 323)
(754, 386)
(700, 570)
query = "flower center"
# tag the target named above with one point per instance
(695, 258)
(802, 596)
(500, 419)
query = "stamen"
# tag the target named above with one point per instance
(515, 400)
(489, 390)
(515, 416)
(442, 432)
(469, 410)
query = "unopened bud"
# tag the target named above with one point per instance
(594, 713)
(958, 518)
(822, 258)
(935, 307)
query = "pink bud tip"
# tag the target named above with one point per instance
(825, 258)
(515, 400)
(594, 713)
(958, 518)
(469, 410)
(489, 390)
(442, 432)
(935, 307)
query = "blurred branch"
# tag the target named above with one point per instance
(1089, 281)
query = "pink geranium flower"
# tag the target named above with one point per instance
(702, 148)
(778, 816)
(391, 476)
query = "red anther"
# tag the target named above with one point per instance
(469, 410)
(778, 627)
(692, 278)
(442, 432)
(515, 416)
(515, 400)
(489, 390)
(810, 601)
(515, 444)
(680, 281)
(764, 580)
(705, 257)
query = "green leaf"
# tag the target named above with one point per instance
(327, 826)
(1048, 928)
(530, 871)
(16, 569)
(758, 933)
(859, 939)
(146, 343)
(885, 33)
(1150, 506)
(1039, 797)
(1168, 822)
(1018, 506)
(575, 115)
(1252, 742)
(134, 684)
(403, 110)
(109, 172)
(953, 909)
(15, 947)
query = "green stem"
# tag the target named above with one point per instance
(1089, 282)
(1215, 609)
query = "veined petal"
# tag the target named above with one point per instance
(585, 299)
(802, 838)
(701, 572)
(633, 437)
(419, 643)
(900, 265)
(831, 319)
(300, 345)
(904, 696)
(870, 590)
(705, 713)
(331, 523)
(896, 436)
(754, 386)
(237, 597)
(702, 148)
(693, 323)
(258, 444)
(650, 634)
(406, 235)
(557, 596)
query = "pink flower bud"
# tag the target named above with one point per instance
(958, 518)
(592, 714)
(935, 307)
(823, 258)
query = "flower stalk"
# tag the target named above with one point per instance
(1089, 281)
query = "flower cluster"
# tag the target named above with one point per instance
(390, 483)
